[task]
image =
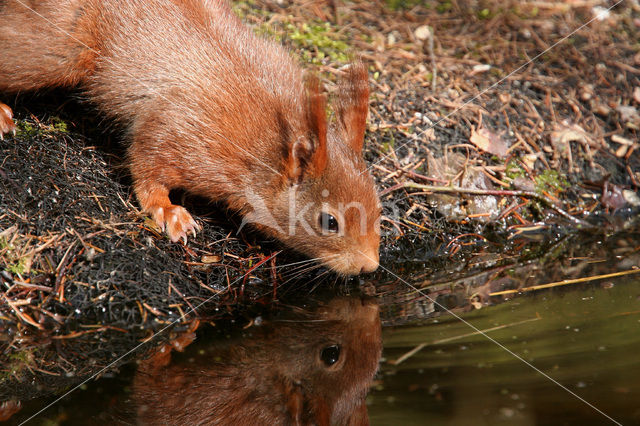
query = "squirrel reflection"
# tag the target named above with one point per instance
(312, 368)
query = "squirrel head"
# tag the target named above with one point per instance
(326, 205)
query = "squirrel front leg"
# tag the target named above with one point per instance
(6, 121)
(152, 182)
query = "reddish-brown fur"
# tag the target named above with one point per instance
(211, 108)
(8, 409)
(274, 377)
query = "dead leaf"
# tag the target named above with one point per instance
(489, 141)
(529, 160)
(602, 109)
(629, 115)
(612, 196)
(455, 167)
(564, 133)
(524, 184)
(505, 98)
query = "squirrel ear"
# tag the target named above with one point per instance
(308, 156)
(352, 105)
(317, 119)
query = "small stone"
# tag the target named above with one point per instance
(391, 39)
(586, 92)
(602, 109)
(481, 68)
(631, 197)
(423, 32)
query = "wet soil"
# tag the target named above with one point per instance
(503, 138)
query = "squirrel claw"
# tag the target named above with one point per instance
(177, 222)
(6, 121)
(8, 409)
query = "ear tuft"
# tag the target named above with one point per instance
(317, 120)
(352, 105)
(308, 155)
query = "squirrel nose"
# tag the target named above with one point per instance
(369, 262)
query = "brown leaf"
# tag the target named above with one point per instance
(629, 115)
(612, 196)
(563, 134)
(210, 259)
(489, 141)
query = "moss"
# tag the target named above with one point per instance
(389, 144)
(484, 14)
(247, 7)
(444, 6)
(11, 259)
(406, 4)
(26, 129)
(318, 41)
(29, 130)
(551, 181)
(59, 125)
(547, 181)
(513, 170)
(18, 362)
(18, 268)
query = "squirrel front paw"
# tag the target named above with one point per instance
(6, 121)
(176, 221)
(8, 409)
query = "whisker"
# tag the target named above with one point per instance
(322, 275)
(310, 264)
(301, 273)
(294, 266)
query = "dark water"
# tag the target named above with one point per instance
(587, 341)
(456, 348)
(567, 354)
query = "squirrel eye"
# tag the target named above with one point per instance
(330, 355)
(328, 223)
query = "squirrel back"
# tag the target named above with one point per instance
(211, 108)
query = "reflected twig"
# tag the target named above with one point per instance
(418, 348)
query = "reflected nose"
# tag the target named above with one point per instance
(369, 262)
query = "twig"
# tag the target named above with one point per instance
(565, 282)
(246, 275)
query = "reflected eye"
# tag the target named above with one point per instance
(330, 355)
(328, 223)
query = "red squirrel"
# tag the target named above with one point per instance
(211, 108)
(312, 369)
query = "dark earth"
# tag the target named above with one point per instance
(503, 137)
